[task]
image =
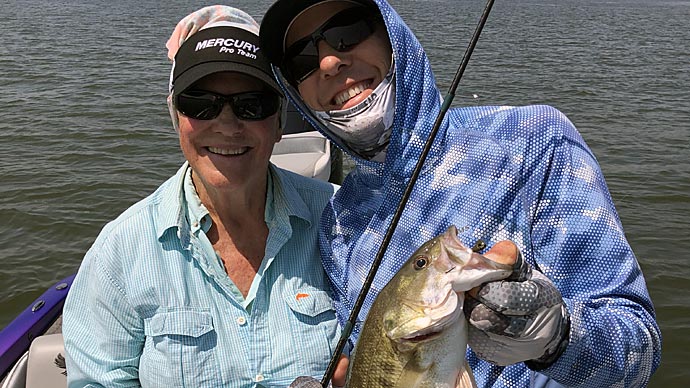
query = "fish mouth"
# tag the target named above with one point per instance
(423, 337)
(433, 331)
(430, 325)
(454, 246)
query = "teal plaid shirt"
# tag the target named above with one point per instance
(153, 306)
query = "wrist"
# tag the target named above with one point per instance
(552, 355)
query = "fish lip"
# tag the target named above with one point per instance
(433, 331)
(457, 252)
(426, 337)
(451, 239)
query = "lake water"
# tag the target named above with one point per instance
(85, 131)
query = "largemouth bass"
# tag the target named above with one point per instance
(415, 334)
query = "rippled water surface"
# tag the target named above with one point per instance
(85, 131)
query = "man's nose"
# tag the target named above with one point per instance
(332, 61)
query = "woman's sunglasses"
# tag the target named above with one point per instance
(205, 105)
(343, 31)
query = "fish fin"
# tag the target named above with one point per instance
(410, 378)
(466, 378)
(412, 374)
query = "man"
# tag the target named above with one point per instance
(524, 174)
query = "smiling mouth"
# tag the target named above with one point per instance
(351, 92)
(228, 151)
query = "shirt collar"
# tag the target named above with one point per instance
(171, 203)
(177, 202)
(197, 214)
(285, 196)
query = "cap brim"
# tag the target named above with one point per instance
(189, 77)
(277, 19)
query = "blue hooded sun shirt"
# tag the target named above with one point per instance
(497, 173)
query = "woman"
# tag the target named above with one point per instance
(214, 279)
(584, 316)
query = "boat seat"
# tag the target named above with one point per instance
(46, 362)
(306, 153)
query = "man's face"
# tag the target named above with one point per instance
(343, 79)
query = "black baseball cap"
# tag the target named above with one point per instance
(278, 19)
(220, 46)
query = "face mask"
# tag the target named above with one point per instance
(367, 126)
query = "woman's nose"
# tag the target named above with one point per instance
(228, 120)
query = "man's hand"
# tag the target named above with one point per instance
(522, 318)
(340, 373)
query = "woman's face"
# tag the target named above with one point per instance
(343, 79)
(227, 152)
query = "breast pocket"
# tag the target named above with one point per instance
(314, 314)
(179, 349)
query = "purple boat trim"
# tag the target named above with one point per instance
(16, 338)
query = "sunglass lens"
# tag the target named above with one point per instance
(203, 105)
(302, 62)
(199, 105)
(345, 37)
(342, 32)
(255, 105)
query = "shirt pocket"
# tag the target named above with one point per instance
(179, 349)
(315, 327)
(309, 302)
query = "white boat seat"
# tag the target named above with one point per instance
(16, 377)
(46, 362)
(306, 153)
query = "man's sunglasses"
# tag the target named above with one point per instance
(343, 31)
(205, 105)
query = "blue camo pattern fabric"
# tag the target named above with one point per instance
(497, 172)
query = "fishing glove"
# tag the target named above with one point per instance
(308, 382)
(522, 318)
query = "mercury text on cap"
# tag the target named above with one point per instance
(229, 45)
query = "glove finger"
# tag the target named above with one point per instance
(484, 318)
(487, 320)
(521, 269)
(549, 295)
(306, 382)
(510, 298)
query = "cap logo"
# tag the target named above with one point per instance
(230, 46)
(219, 49)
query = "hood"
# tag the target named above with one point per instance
(417, 103)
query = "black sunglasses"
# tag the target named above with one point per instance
(205, 105)
(343, 31)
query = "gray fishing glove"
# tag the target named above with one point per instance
(522, 318)
(307, 382)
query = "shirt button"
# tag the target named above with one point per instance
(259, 378)
(241, 321)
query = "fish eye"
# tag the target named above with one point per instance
(421, 262)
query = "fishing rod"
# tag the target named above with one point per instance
(448, 99)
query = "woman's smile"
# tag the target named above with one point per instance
(228, 151)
